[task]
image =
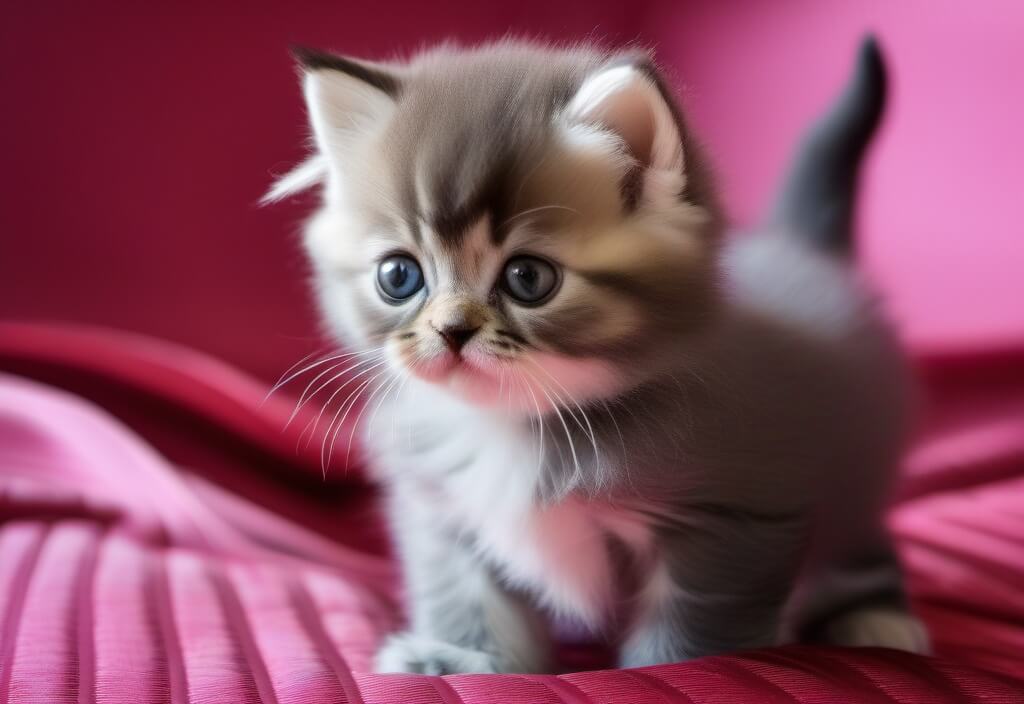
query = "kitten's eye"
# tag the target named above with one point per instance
(530, 280)
(398, 278)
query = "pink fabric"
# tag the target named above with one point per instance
(206, 415)
(127, 578)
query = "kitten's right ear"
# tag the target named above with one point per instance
(346, 99)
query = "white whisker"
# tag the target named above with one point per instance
(540, 420)
(314, 422)
(374, 362)
(537, 210)
(393, 383)
(622, 442)
(286, 377)
(577, 470)
(398, 401)
(337, 425)
(589, 430)
(405, 382)
(355, 424)
(353, 396)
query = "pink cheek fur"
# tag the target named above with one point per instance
(488, 380)
(429, 367)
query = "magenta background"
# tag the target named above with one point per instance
(137, 138)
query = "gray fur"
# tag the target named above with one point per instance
(817, 200)
(706, 467)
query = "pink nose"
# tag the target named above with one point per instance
(456, 336)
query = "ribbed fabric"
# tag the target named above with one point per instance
(123, 579)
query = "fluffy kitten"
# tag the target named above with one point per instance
(584, 398)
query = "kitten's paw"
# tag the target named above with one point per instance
(407, 652)
(882, 627)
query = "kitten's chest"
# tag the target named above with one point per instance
(484, 481)
(569, 553)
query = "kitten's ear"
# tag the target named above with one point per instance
(346, 99)
(628, 98)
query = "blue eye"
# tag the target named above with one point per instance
(398, 278)
(530, 280)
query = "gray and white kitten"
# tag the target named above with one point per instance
(585, 399)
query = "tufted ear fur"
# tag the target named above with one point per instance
(346, 99)
(627, 99)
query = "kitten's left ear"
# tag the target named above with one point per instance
(628, 98)
(346, 99)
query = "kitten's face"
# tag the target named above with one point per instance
(523, 253)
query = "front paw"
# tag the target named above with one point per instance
(407, 652)
(880, 627)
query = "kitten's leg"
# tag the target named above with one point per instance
(461, 619)
(720, 585)
(859, 600)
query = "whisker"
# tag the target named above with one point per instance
(305, 429)
(637, 422)
(313, 423)
(529, 174)
(304, 399)
(323, 408)
(408, 375)
(281, 380)
(394, 382)
(355, 423)
(578, 471)
(286, 377)
(589, 430)
(540, 420)
(622, 442)
(537, 210)
(506, 370)
(598, 469)
(398, 401)
(354, 396)
(341, 406)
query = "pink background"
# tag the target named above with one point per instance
(137, 139)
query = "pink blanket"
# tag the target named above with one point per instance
(174, 546)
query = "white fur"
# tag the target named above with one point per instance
(344, 112)
(306, 175)
(880, 627)
(428, 656)
(625, 101)
(557, 550)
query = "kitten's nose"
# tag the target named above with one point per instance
(456, 336)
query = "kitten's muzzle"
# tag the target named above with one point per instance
(456, 336)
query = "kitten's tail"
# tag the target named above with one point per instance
(817, 197)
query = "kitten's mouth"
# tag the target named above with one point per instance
(447, 366)
(435, 369)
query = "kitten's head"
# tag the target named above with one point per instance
(512, 223)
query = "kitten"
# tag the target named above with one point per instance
(583, 398)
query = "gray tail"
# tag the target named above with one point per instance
(817, 198)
